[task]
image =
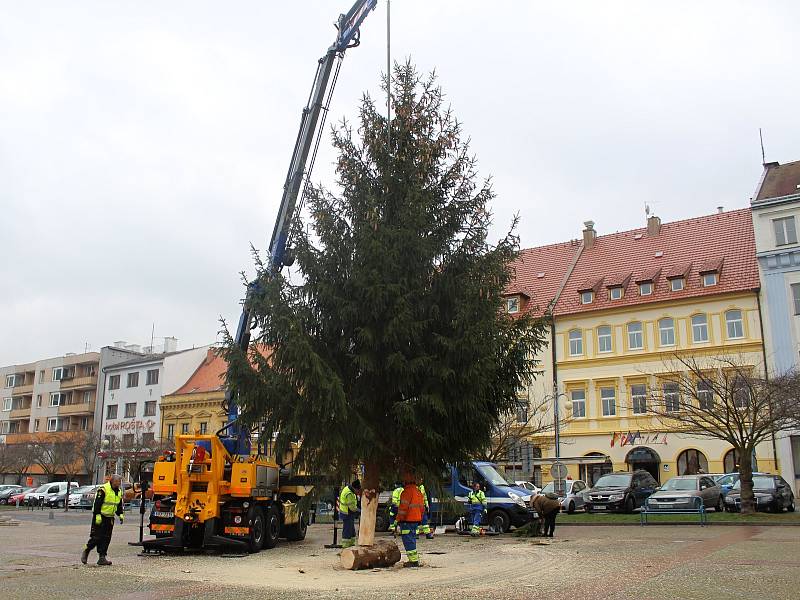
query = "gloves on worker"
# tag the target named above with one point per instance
(98, 519)
(122, 518)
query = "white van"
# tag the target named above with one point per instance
(40, 494)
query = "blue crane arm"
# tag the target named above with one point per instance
(237, 439)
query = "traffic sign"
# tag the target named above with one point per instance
(558, 470)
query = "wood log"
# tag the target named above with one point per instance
(383, 553)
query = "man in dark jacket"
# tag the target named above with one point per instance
(107, 504)
(548, 510)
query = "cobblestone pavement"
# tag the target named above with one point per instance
(39, 559)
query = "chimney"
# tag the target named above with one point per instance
(653, 225)
(133, 348)
(589, 235)
(170, 344)
(720, 209)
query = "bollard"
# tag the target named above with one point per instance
(50, 516)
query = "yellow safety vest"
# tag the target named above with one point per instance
(111, 500)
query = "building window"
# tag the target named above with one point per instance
(113, 382)
(635, 337)
(148, 439)
(639, 398)
(587, 297)
(130, 410)
(7, 403)
(666, 331)
(55, 424)
(522, 414)
(608, 397)
(184, 428)
(645, 288)
(705, 395)
(133, 379)
(41, 376)
(615, 293)
(734, 325)
(111, 411)
(709, 279)
(152, 376)
(512, 304)
(741, 394)
(672, 397)
(575, 342)
(84, 423)
(676, 285)
(87, 397)
(36, 425)
(796, 297)
(699, 328)
(604, 339)
(58, 399)
(127, 440)
(795, 440)
(578, 398)
(58, 373)
(203, 428)
(150, 408)
(171, 431)
(692, 462)
(38, 401)
(785, 231)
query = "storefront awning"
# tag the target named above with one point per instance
(572, 460)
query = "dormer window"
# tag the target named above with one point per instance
(677, 284)
(709, 279)
(646, 288)
(587, 297)
(615, 293)
(512, 304)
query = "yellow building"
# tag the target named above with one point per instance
(197, 404)
(630, 302)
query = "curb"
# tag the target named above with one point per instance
(671, 523)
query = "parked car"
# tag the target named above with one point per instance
(687, 492)
(19, 496)
(75, 493)
(42, 494)
(771, 493)
(529, 486)
(728, 480)
(7, 491)
(621, 491)
(572, 495)
(5, 486)
(87, 497)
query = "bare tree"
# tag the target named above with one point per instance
(89, 444)
(726, 399)
(20, 459)
(46, 456)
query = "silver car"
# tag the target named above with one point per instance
(686, 492)
(572, 496)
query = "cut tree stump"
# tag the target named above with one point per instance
(381, 554)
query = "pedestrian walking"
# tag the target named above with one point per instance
(348, 511)
(548, 509)
(476, 505)
(107, 504)
(424, 528)
(409, 515)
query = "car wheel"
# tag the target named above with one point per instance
(500, 521)
(720, 505)
(630, 504)
(790, 508)
(588, 508)
(571, 507)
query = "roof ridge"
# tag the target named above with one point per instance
(715, 215)
(571, 242)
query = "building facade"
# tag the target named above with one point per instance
(776, 215)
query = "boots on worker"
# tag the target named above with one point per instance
(85, 555)
(103, 561)
(411, 564)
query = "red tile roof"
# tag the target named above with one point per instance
(208, 377)
(689, 246)
(540, 273)
(779, 180)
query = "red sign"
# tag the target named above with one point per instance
(130, 425)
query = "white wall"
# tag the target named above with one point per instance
(180, 366)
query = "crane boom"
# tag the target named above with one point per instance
(237, 439)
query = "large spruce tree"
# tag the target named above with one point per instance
(393, 350)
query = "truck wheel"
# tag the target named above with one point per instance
(255, 541)
(381, 522)
(272, 528)
(297, 532)
(500, 521)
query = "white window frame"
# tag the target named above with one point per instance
(36, 426)
(672, 398)
(677, 284)
(639, 400)
(203, 428)
(634, 335)
(710, 279)
(578, 342)
(148, 379)
(512, 304)
(646, 285)
(62, 398)
(84, 423)
(7, 404)
(785, 231)
(587, 297)
(608, 403)
(11, 381)
(705, 395)
(700, 329)
(116, 378)
(605, 340)
(38, 401)
(55, 421)
(578, 398)
(615, 293)
(4, 425)
(736, 324)
(58, 373)
(663, 330)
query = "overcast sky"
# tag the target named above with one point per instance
(143, 146)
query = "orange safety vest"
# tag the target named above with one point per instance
(412, 505)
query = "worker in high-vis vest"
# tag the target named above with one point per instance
(395, 504)
(476, 504)
(107, 505)
(409, 515)
(424, 528)
(348, 511)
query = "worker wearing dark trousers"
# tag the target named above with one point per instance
(424, 528)
(476, 505)
(348, 510)
(548, 509)
(409, 515)
(398, 489)
(107, 504)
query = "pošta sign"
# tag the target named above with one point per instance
(130, 425)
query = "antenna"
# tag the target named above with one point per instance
(646, 209)
(761, 137)
(152, 337)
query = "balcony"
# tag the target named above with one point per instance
(75, 383)
(23, 390)
(85, 408)
(20, 413)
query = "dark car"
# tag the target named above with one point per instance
(620, 491)
(9, 491)
(771, 493)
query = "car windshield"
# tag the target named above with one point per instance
(680, 484)
(492, 475)
(616, 480)
(727, 480)
(759, 483)
(550, 488)
(42, 488)
(81, 489)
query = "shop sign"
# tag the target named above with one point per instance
(637, 438)
(130, 425)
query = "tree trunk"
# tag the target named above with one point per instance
(746, 481)
(369, 504)
(384, 553)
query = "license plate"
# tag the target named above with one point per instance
(599, 507)
(164, 515)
